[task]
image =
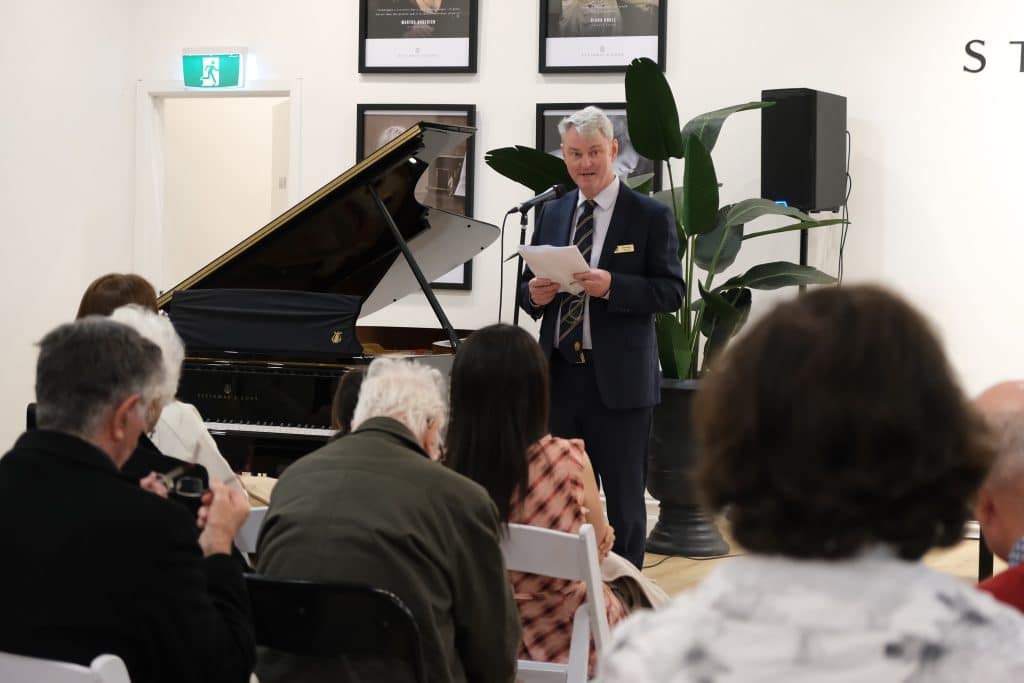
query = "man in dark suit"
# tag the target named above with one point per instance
(95, 564)
(373, 507)
(601, 344)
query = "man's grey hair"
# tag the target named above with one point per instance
(1008, 468)
(159, 330)
(404, 390)
(587, 122)
(87, 368)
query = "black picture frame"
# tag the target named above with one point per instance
(629, 160)
(601, 36)
(398, 36)
(378, 123)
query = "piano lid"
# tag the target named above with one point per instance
(336, 240)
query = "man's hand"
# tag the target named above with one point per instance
(596, 281)
(542, 290)
(221, 515)
(153, 483)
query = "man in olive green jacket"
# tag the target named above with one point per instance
(374, 507)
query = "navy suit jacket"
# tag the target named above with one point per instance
(641, 253)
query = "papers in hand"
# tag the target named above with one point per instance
(557, 264)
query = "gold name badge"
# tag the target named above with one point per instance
(624, 249)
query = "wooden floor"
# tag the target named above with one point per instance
(678, 574)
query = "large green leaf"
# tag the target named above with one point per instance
(651, 114)
(724, 241)
(707, 126)
(717, 310)
(802, 225)
(778, 274)
(673, 346)
(749, 209)
(719, 329)
(531, 167)
(672, 198)
(700, 189)
(643, 183)
(729, 306)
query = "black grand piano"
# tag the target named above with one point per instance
(270, 326)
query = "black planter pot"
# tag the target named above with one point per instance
(682, 528)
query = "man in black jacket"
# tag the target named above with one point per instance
(95, 564)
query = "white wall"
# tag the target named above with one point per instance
(935, 149)
(66, 173)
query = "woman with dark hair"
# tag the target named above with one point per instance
(498, 437)
(834, 437)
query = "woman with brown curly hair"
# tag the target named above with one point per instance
(837, 442)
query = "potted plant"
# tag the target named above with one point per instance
(710, 237)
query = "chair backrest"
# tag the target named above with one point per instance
(565, 556)
(21, 669)
(320, 619)
(249, 533)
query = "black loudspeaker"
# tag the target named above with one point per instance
(803, 148)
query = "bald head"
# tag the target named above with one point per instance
(1005, 397)
(1003, 407)
(1000, 503)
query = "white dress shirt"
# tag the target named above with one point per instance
(605, 200)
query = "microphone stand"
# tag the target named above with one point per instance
(519, 265)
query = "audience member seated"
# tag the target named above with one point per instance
(498, 437)
(147, 459)
(1000, 502)
(344, 404)
(835, 438)
(179, 432)
(375, 508)
(95, 564)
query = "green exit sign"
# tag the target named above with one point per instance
(213, 70)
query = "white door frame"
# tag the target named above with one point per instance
(149, 159)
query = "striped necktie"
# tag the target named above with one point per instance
(570, 322)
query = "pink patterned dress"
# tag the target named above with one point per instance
(554, 500)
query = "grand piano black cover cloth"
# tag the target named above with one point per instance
(279, 322)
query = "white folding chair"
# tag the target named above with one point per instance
(249, 533)
(21, 669)
(564, 556)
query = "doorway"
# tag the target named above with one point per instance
(211, 169)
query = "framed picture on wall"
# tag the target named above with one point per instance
(447, 183)
(409, 36)
(600, 35)
(628, 163)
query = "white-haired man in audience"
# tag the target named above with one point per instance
(375, 508)
(93, 563)
(1000, 501)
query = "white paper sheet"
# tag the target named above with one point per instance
(556, 263)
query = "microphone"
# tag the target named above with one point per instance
(553, 192)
